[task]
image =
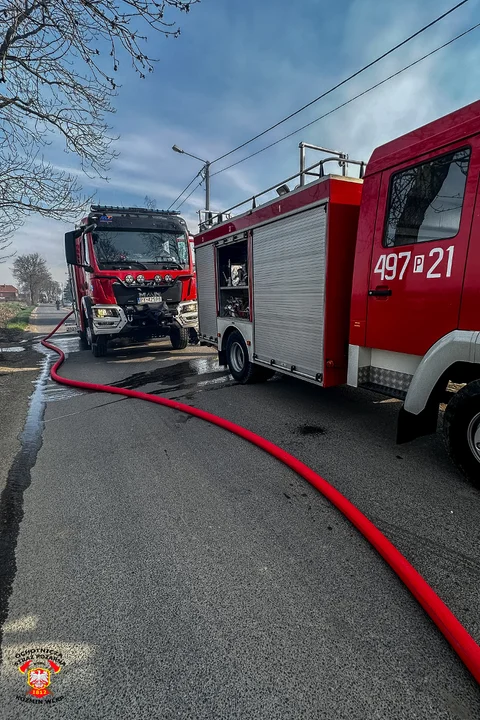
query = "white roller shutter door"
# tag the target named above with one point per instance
(207, 310)
(289, 291)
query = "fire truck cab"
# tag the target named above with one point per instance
(132, 275)
(372, 281)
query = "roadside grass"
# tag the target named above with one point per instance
(14, 315)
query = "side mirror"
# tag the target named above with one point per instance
(70, 246)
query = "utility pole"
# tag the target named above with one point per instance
(207, 186)
(206, 170)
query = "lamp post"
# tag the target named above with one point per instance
(206, 168)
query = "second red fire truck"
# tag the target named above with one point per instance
(371, 281)
(132, 275)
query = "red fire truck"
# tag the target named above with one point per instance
(373, 281)
(132, 275)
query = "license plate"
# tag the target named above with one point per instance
(149, 298)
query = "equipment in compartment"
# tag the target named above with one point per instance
(236, 307)
(236, 275)
(233, 265)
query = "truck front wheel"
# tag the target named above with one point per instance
(242, 370)
(179, 337)
(98, 343)
(83, 340)
(99, 346)
(461, 427)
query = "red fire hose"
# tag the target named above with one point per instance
(458, 637)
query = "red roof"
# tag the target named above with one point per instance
(8, 288)
(458, 125)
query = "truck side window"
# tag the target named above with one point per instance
(425, 201)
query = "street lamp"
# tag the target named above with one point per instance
(206, 167)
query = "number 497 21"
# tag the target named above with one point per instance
(395, 265)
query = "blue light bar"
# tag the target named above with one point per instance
(129, 210)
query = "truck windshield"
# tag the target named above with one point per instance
(115, 249)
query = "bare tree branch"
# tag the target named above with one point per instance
(58, 60)
(4, 244)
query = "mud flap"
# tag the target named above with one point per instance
(410, 427)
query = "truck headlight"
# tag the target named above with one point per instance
(158, 279)
(129, 279)
(140, 279)
(105, 312)
(189, 307)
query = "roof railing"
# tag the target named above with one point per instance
(207, 218)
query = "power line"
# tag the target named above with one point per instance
(330, 112)
(350, 77)
(347, 102)
(184, 190)
(190, 193)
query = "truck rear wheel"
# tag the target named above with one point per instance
(242, 370)
(461, 428)
(179, 337)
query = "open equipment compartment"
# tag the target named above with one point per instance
(233, 280)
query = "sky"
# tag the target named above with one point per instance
(240, 66)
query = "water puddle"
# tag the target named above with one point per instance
(174, 375)
(54, 391)
(67, 344)
(12, 348)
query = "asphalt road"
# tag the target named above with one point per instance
(182, 573)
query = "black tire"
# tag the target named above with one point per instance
(461, 430)
(83, 340)
(99, 345)
(193, 338)
(241, 369)
(179, 337)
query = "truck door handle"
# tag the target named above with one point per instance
(380, 292)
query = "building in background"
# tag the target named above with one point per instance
(8, 293)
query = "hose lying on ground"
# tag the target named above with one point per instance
(458, 637)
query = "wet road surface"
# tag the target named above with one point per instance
(184, 574)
